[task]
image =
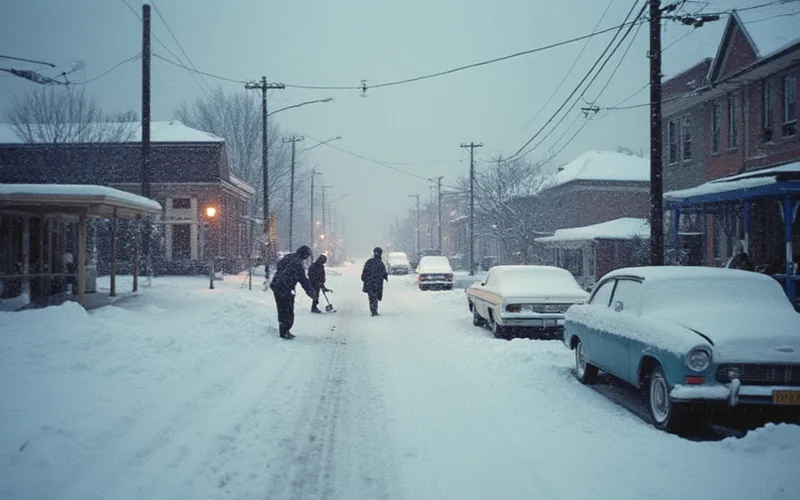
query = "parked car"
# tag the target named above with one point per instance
(397, 263)
(434, 272)
(690, 336)
(513, 299)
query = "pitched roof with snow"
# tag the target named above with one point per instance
(773, 29)
(168, 131)
(603, 166)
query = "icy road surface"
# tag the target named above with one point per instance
(184, 392)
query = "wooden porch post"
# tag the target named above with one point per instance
(82, 230)
(787, 224)
(114, 238)
(26, 254)
(136, 248)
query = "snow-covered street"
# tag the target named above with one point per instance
(185, 392)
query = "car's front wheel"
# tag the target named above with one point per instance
(664, 413)
(584, 371)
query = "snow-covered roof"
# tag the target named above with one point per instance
(753, 179)
(772, 29)
(167, 131)
(97, 197)
(603, 166)
(625, 228)
(239, 183)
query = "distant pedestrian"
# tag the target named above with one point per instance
(316, 276)
(373, 276)
(290, 272)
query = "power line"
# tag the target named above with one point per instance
(210, 75)
(172, 34)
(22, 59)
(109, 70)
(583, 80)
(365, 87)
(569, 71)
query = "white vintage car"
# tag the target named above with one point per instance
(513, 299)
(434, 272)
(397, 263)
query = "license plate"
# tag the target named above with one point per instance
(550, 322)
(786, 397)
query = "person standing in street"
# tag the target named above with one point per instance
(290, 272)
(316, 276)
(373, 276)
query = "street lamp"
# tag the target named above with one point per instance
(327, 99)
(211, 213)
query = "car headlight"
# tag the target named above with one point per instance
(698, 360)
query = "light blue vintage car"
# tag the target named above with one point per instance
(690, 336)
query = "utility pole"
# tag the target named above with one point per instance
(294, 139)
(472, 147)
(146, 132)
(417, 197)
(439, 201)
(263, 86)
(656, 184)
(314, 173)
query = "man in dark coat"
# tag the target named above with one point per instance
(373, 276)
(290, 272)
(316, 276)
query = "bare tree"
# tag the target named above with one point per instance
(505, 202)
(66, 114)
(236, 117)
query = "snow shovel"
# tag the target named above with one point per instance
(329, 308)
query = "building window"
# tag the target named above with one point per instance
(767, 105)
(790, 105)
(733, 125)
(716, 128)
(181, 203)
(686, 134)
(673, 141)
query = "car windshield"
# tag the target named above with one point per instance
(717, 293)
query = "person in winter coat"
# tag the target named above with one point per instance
(290, 272)
(316, 276)
(373, 276)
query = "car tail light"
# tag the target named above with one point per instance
(448, 277)
(514, 308)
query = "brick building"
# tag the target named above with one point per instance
(189, 172)
(727, 116)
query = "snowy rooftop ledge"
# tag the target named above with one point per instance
(167, 131)
(608, 166)
(625, 228)
(738, 185)
(99, 200)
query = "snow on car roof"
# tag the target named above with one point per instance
(668, 273)
(538, 280)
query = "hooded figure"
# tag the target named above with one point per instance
(740, 259)
(290, 272)
(316, 276)
(373, 276)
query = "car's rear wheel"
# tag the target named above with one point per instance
(498, 330)
(664, 413)
(477, 320)
(584, 371)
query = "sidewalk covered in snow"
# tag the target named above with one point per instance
(44, 232)
(773, 193)
(590, 252)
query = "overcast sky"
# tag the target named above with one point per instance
(417, 126)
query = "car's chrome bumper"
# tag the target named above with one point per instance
(731, 394)
(534, 321)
